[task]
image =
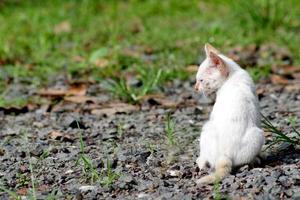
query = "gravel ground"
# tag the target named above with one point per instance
(132, 155)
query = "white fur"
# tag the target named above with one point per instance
(232, 135)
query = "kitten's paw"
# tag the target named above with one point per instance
(209, 179)
(201, 163)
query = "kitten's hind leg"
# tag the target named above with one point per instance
(250, 147)
(202, 163)
(223, 168)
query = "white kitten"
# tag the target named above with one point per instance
(232, 136)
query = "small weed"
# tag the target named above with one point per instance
(44, 155)
(22, 180)
(217, 191)
(169, 130)
(151, 147)
(87, 164)
(279, 136)
(120, 130)
(292, 120)
(110, 176)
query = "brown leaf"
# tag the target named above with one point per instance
(260, 91)
(22, 191)
(277, 79)
(79, 99)
(43, 188)
(56, 135)
(52, 92)
(115, 108)
(77, 90)
(286, 70)
(63, 27)
(293, 88)
(162, 102)
(267, 134)
(192, 68)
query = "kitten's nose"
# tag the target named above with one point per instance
(196, 87)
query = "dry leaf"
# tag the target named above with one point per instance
(277, 79)
(293, 88)
(192, 68)
(286, 70)
(260, 91)
(52, 92)
(63, 27)
(77, 90)
(22, 191)
(79, 99)
(160, 100)
(112, 109)
(56, 135)
(267, 134)
(43, 188)
(163, 102)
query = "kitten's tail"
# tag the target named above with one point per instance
(223, 168)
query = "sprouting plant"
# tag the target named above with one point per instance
(169, 130)
(32, 179)
(292, 120)
(22, 180)
(151, 147)
(120, 129)
(44, 155)
(279, 136)
(87, 164)
(216, 190)
(110, 176)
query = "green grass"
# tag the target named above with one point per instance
(130, 35)
(88, 169)
(169, 130)
(278, 135)
(133, 94)
(104, 178)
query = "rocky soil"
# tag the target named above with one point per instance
(132, 158)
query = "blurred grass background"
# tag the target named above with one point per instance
(96, 40)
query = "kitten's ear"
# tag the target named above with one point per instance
(217, 62)
(209, 48)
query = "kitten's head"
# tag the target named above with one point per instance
(212, 72)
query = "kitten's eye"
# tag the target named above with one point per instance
(201, 80)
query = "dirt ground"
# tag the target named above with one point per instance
(132, 157)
